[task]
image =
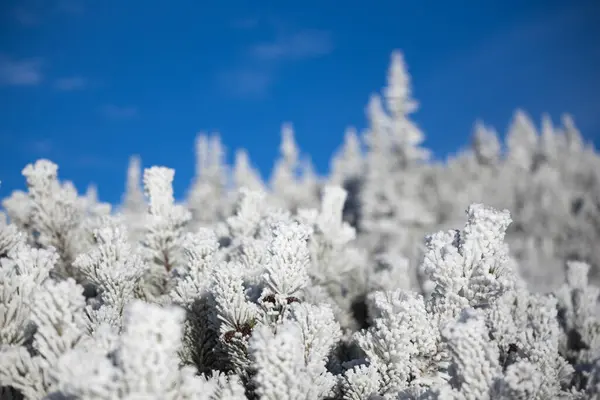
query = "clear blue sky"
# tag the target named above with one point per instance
(88, 83)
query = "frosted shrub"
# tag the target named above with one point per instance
(144, 365)
(164, 229)
(115, 268)
(52, 214)
(365, 285)
(578, 315)
(469, 268)
(208, 190)
(337, 267)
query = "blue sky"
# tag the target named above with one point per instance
(88, 83)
